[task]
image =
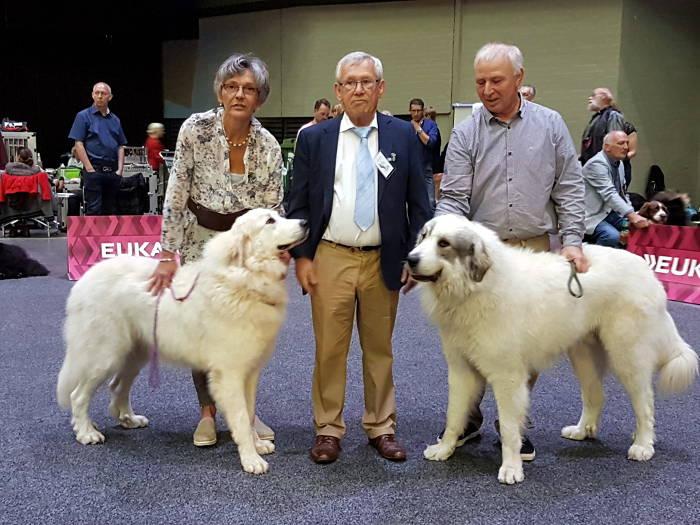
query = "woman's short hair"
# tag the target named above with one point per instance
(357, 57)
(239, 63)
(495, 50)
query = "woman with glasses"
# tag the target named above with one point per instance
(225, 164)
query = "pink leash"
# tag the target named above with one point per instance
(154, 374)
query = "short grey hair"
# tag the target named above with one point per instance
(608, 94)
(104, 84)
(495, 50)
(237, 64)
(609, 138)
(357, 57)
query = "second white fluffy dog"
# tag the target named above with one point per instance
(503, 312)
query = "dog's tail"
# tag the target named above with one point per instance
(67, 381)
(681, 369)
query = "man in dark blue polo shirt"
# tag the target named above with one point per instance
(427, 132)
(99, 144)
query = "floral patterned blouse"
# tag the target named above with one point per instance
(201, 170)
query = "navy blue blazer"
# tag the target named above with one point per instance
(402, 197)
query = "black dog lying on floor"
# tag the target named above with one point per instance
(16, 264)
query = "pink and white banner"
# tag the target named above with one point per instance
(94, 238)
(673, 253)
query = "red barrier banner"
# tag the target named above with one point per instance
(673, 253)
(94, 238)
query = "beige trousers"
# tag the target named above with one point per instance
(538, 244)
(350, 285)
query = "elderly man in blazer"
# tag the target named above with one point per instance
(606, 201)
(358, 181)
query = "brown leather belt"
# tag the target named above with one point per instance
(353, 248)
(212, 220)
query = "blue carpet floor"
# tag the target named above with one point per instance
(155, 475)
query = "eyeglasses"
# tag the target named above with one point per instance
(351, 85)
(232, 89)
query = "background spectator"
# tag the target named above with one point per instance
(322, 109)
(606, 118)
(99, 144)
(607, 204)
(429, 136)
(154, 145)
(528, 92)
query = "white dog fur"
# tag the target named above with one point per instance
(228, 327)
(503, 312)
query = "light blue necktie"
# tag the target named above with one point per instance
(365, 193)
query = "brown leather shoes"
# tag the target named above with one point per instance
(388, 447)
(326, 449)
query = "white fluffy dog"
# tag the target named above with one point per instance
(503, 312)
(227, 327)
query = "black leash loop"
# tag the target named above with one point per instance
(573, 278)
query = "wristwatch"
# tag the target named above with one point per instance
(419, 131)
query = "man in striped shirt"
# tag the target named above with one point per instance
(512, 166)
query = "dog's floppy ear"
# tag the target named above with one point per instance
(644, 210)
(242, 244)
(425, 231)
(479, 261)
(473, 252)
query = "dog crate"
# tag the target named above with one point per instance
(15, 140)
(135, 155)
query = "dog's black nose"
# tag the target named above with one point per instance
(413, 260)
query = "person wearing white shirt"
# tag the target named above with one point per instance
(322, 109)
(358, 182)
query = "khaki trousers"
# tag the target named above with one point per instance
(350, 285)
(538, 244)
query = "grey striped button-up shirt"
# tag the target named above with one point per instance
(521, 179)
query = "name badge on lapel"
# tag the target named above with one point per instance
(383, 165)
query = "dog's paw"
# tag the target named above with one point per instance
(263, 446)
(254, 464)
(510, 474)
(640, 452)
(133, 421)
(578, 433)
(438, 452)
(90, 436)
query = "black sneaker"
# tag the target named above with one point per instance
(472, 431)
(527, 450)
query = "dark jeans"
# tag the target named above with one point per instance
(607, 233)
(430, 186)
(101, 188)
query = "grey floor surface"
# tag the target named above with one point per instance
(155, 475)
